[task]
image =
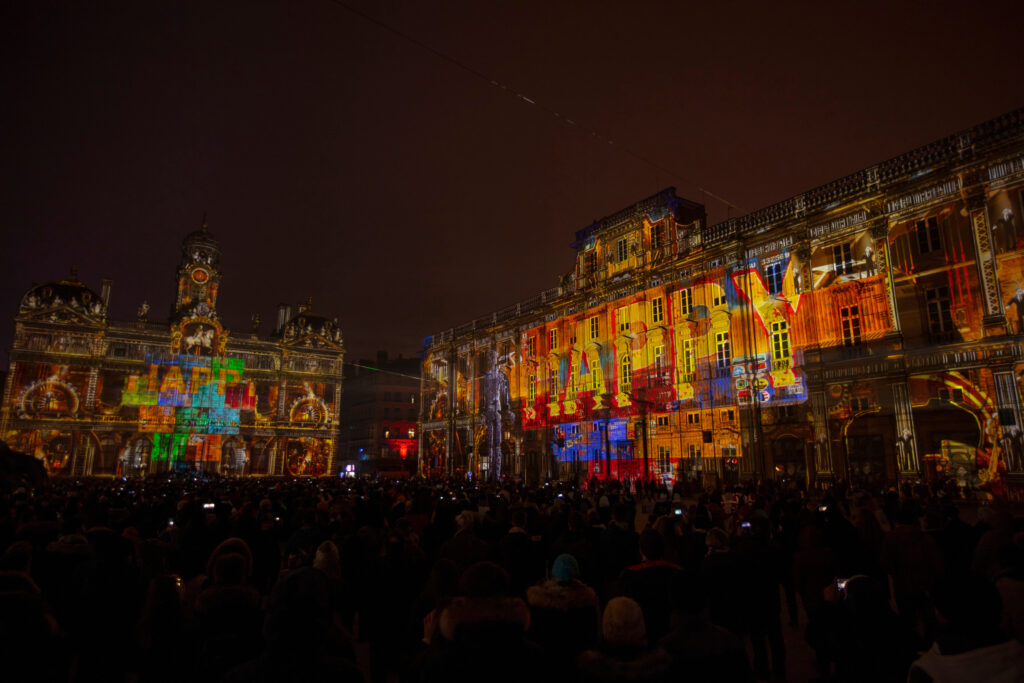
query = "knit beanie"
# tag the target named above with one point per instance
(565, 568)
(623, 623)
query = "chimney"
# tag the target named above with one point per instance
(105, 292)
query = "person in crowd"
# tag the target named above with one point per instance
(700, 651)
(623, 655)
(648, 583)
(970, 645)
(563, 614)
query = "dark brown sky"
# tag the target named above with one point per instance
(337, 160)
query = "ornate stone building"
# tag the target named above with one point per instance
(868, 329)
(93, 396)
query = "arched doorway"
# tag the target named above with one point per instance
(788, 460)
(870, 455)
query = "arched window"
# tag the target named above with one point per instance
(625, 373)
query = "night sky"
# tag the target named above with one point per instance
(405, 194)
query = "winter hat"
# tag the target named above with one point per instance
(565, 568)
(623, 623)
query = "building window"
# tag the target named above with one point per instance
(596, 383)
(685, 303)
(570, 387)
(773, 273)
(693, 450)
(928, 237)
(595, 328)
(728, 415)
(412, 433)
(412, 398)
(718, 298)
(723, 355)
(780, 340)
(663, 420)
(849, 319)
(657, 235)
(859, 404)
(729, 452)
(693, 418)
(531, 346)
(553, 382)
(842, 259)
(625, 374)
(664, 459)
(659, 353)
(622, 315)
(531, 388)
(553, 340)
(621, 250)
(689, 366)
(658, 310)
(940, 318)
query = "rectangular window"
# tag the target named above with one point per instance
(552, 339)
(596, 382)
(929, 238)
(718, 298)
(849, 319)
(729, 452)
(842, 259)
(657, 235)
(570, 387)
(693, 450)
(657, 310)
(723, 355)
(664, 459)
(621, 250)
(773, 273)
(689, 363)
(595, 328)
(685, 303)
(531, 388)
(531, 346)
(663, 420)
(553, 382)
(693, 418)
(728, 415)
(659, 355)
(940, 317)
(780, 340)
(622, 316)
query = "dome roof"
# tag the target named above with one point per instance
(69, 296)
(200, 237)
(310, 329)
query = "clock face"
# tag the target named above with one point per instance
(199, 275)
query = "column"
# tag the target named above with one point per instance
(994, 320)
(822, 443)
(909, 463)
(880, 235)
(1008, 403)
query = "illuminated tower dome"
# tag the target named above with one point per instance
(198, 276)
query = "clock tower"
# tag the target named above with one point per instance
(198, 276)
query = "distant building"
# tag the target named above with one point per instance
(378, 431)
(92, 396)
(869, 329)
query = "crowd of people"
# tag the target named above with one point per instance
(180, 578)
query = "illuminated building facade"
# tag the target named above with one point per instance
(868, 329)
(379, 410)
(92, 396)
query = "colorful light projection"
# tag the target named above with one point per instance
(188, 402)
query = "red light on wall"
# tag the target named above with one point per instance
(403, 451)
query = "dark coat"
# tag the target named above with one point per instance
(650, 584)
(480, 639)
(564, 619)
(623, 666)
